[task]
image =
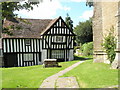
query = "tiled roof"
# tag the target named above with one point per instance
(50, 24)
(33, 29)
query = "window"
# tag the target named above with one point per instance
(28, 57)
(58, 54)
(59, 39)
(27, 42)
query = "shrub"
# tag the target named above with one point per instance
(76, 47)
(109, 45)
(87, 49)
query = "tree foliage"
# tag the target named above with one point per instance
(8, 9)
(109, 45)
(69, 22)
(84, 32)
(87, 49)
(89, 3)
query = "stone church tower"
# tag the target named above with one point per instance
(106, 15)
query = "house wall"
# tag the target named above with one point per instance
(51, 41)
(104, 18)
(19, 48)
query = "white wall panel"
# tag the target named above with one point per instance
(4, 47)
(20, 45)
(32, 45)
(11, 45)
(71, 55)
(44, 55)
(17, 46)
(8, 48)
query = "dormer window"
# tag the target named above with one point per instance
(27, 42)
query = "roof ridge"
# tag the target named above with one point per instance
(50, 24)
(34, 19)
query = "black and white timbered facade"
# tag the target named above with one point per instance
(40, 39)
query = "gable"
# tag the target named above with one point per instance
(58, 26)
(58, 36)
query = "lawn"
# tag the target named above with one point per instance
(29, 77)
(94, 75)
(88, 74)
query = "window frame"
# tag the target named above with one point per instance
(27, 42)
(28, 57)
(58, 39)
(58, 54)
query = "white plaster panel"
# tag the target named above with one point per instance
(71, 57)
(44, 55)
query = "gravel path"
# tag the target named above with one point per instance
(54, 79)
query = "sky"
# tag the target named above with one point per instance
(77, 10)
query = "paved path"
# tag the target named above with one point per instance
(66, 82)
(52, 80)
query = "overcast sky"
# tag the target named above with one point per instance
(77, 10)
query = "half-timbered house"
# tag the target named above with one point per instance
(36, 40)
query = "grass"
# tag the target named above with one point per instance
(88, 74)
(94, 75)
(29, 77)
(83, 57)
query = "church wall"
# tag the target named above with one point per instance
(106, 15)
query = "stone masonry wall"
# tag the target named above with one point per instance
(109, 11)
(97, 32)
(116, 63)
(104, 18)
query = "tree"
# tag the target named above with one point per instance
(89, 3)
(8, 9)
(84, 32)
(69, 22)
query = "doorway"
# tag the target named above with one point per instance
(10, 60)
